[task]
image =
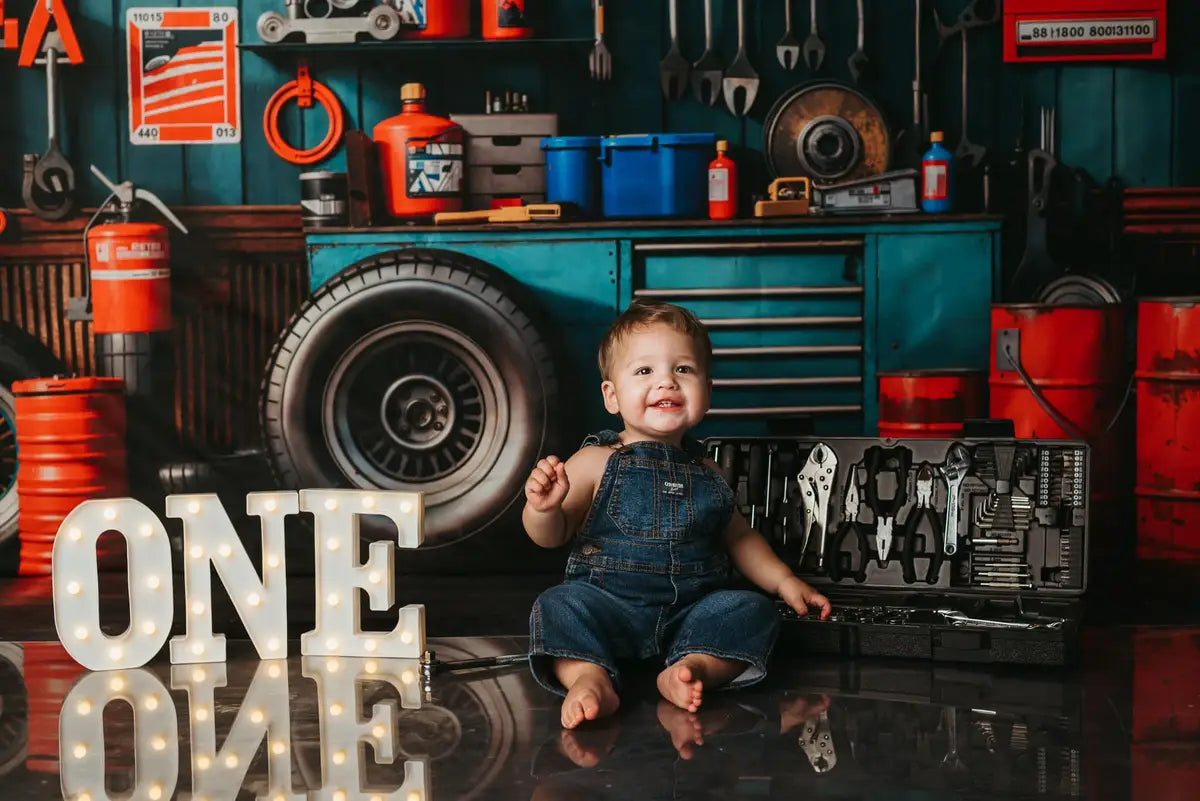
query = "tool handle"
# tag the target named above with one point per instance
(599, 18)
(463, 216)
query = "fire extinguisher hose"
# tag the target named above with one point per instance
(291, 91)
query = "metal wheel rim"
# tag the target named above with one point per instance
(8, 460)
(362, 436)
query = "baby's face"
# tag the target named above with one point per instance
(658, 384)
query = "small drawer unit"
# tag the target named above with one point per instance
(504, 156)
(786, 319)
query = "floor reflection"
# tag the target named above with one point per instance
(1125, 726)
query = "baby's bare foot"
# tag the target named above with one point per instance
(682, 685)
(590, 697)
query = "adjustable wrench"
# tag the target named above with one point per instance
(816, 484)
(954, 470)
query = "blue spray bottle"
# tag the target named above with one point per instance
(937, 176)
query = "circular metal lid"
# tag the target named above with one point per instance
(1079, 290)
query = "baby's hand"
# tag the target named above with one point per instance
(547, 485)
(800, 596)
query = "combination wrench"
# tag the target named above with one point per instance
(814, 48)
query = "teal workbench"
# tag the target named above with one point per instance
(804, 314)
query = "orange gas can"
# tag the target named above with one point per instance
(130, 273)
(421, 158)
(444, 19)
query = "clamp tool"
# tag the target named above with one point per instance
(923, 509)
(816, 484)
(879, 460)
(849, 523)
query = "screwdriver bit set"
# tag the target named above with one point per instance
(903, 527)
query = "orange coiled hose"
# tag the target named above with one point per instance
(292, 91)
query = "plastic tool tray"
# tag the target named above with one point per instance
(955, 550)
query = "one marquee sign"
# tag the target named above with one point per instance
(209, 538)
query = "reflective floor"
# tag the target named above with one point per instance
(1125, 724)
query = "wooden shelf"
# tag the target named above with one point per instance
(408, 46)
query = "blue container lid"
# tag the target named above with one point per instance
(658, 139)
(571, 143)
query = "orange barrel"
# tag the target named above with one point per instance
(70, 448)
(929, 403)
(506, 19)
(1074, 357)
(1168, 428)
(444, 19)
(130, 273)
(421, 158)
(50, 673)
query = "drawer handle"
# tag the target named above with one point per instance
(715, 247)
(506, 141)
(778, 322)
(748, 292)
(767, 383)
(784, 411)
(787, 350)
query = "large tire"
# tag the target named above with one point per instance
(417, 371)
(21, 356)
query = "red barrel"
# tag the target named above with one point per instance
(70, 448)
(506, 19)
(1168, 428)
(421, 158)
(444, 19)
(1074, 357)
(130, 273)
(929, 403)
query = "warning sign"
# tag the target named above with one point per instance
(183, 76)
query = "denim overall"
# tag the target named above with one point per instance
(646, 577)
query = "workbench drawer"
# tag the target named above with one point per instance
(786, 318)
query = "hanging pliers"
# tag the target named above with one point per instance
(923, 509)
(849, 523)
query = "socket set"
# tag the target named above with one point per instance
(895, 530)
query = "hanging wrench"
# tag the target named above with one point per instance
(967, 150)
(969, 18)
(50, 175)
(814, 48)
(788, 49)
(858, 59)
(816, 484)
(954, 470)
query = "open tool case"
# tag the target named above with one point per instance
(953, 550)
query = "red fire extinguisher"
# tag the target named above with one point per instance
(129, 263)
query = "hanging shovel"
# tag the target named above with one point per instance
(740, 74)
(673, 71)
(706, 73)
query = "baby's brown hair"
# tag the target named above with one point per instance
(648, 312)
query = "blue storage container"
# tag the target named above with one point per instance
(573, 172)
(656, 175)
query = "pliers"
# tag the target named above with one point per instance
(849, 523)
(880, 460)
(924, 509)
(815, 482)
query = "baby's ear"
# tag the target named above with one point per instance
(609, 391)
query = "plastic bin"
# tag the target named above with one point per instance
(656, 175)
(573, 172)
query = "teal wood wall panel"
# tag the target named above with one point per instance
(1134, 121)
